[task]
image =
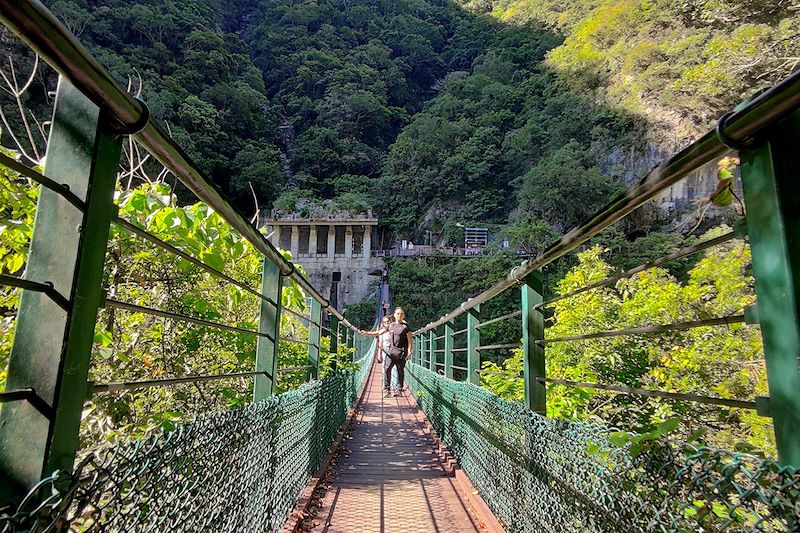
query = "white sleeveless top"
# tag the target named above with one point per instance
(386, 341)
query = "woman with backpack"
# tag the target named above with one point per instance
(399, 348)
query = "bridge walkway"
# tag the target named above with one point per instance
(388, 477)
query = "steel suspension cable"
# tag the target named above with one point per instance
(677, 326)
(131, 385)
(133, 228)
(42, 180)
(127, 306)
(499, 319)
(36, 286)
(678, 254)
(711, 400)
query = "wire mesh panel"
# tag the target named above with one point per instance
(539, 473)
(240, 470)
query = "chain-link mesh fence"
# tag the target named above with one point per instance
(241, 470)
(542, 474)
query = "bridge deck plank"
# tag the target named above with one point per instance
(389, 478)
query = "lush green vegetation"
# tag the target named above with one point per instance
(521, 115)
(678, 63)
(135, 346)
(432, 112)
(723, 361)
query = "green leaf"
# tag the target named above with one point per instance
(15, 263)
(103, 338)
(668, 426)
(637, 449)
(619, 438)
(697, 434)
(172, 415)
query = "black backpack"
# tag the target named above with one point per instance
(399, 345)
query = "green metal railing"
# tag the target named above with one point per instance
(507, 451)
(536, 473)
(240, 470)
(270, 448)
(243, 470)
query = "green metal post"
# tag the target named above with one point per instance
(333, 323)
(314, 331)
(348, 341)
(269, 324)
(432, 347)
(424, 344)
(52, 346)
(533, 366)
(473, 341)
(772, 194)
(448, 349)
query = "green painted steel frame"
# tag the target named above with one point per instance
(314, 333)
(473, 342)
(533, 359)
(772, 194)
(270, 324)
(448, 349)
(432, 347)
(333, 324)
(424, 345)
(52, 346)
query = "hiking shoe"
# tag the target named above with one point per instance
(387, 393)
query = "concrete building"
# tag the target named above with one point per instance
(340, 243)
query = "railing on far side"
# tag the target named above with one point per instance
(761, 130)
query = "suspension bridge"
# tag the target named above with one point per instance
(335, 454)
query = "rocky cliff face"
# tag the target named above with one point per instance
(679, 207)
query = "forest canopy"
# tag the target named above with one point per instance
(435, 112)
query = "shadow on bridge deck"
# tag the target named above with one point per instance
(388, 478)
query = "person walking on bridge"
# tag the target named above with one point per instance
(399, 350)
(382, 350)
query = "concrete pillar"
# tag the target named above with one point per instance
(366, 246)
(331, 240)
(348, 242)
(295, 245)
(312, 241)
(274, 232)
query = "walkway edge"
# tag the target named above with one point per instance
(295, 521)
(480, 509)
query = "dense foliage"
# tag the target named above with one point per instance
(724, 361)
(435, 112)
(135, 346)
(509, 134)
(678, 63)
(525, 114)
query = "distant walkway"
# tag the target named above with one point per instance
(388, 478)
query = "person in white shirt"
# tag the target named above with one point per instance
(383, 345)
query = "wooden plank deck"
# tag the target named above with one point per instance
(388, 478)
